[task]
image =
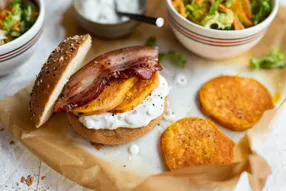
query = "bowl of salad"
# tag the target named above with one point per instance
(21, 23)
(219, 29)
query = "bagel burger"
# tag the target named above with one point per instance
(116, 98)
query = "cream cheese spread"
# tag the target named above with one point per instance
(151, 108)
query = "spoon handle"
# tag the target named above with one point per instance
(159, 22)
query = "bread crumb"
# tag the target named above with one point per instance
(12, 142)
(23, 179)
(2, 129)
(43, 177)
(28, 181)
(97, 146)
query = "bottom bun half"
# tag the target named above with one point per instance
(113, 137)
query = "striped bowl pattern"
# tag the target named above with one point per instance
(211, 41)
(20, 50)
(216, 44)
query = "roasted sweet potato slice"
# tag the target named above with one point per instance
(234, 102)
(138, 93)
(194, 141)
(112, 95)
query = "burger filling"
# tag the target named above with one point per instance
(151, 108)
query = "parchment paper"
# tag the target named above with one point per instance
(112, 168)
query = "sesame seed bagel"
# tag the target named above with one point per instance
(63, 62)
(113, 137)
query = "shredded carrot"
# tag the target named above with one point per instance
(238, 10)
(222, 8)
(203, 12)
(245, 20)
(35, 14)
(16, 27)
(2, 15)
(199, 2)
(247, 8)
(179, 5)
(237, 24)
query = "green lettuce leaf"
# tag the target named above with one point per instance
(193, 11)
(275, 59)
(218, 20)
(214, 7)
(260, 9)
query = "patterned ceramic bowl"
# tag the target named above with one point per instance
(217, 44)
(17, 52)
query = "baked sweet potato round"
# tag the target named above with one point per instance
(234, 102)
(194, 141)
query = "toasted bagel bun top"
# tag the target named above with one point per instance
(63, 62)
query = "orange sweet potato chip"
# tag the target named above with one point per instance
(194, 141)
(138, 93)
(112, 95)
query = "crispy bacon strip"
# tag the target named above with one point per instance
(85, 85)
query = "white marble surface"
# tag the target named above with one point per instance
(16, 161)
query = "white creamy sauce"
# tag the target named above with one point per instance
(181, 79)
(134, 149)
(103, 11)
(151, 108)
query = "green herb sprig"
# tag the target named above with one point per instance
(151, 41)
(171, 55)
(174, 57)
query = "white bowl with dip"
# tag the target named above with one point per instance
(99, 17)
(217, 44)
(15, 53)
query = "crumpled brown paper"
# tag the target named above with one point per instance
(54, 142)
(53, 146)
